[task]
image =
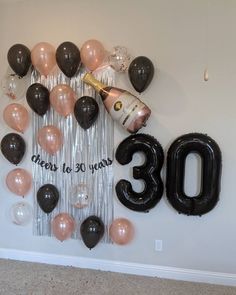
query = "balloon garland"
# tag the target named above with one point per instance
(61, 96)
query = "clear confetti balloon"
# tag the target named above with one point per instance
(119, 58)
(79, 197)
(21, 213)
(14, 86)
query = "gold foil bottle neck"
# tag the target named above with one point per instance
(90, 80)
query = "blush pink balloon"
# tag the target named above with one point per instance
(62, 99)
(19, 181)
(92, 54)
(43, 57)
(50, 139)
(63, 225)
(16, 116)
(121, 231)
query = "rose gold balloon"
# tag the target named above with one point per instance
(16, 116)
(43, 57)
(62, 99)
(63, 226)
(92, 54)
(19, 181)
(121, 231)
(50, 139)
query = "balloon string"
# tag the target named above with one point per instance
(206, 72)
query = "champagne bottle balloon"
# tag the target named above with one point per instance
(123, 107)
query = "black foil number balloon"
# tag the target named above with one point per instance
(92, 230)
(13, 147)
(68, 58)
(47, 197)
(86, 111)
(37, 97)
(210, 155)
(19, 59)
(141, 72)
(149, 172)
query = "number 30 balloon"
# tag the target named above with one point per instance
(149, 172)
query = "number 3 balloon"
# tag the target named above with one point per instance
(149, 172)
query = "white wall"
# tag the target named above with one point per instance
(173, 35)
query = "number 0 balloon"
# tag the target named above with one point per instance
(210, 154)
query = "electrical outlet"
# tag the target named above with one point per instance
(158, 245)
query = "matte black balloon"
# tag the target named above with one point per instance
(92, 230)
(86, 111)
(13, 147)
(141, 71)
(149, 172)
(19, 59)
(210, 154)
(68, 58)
(47, 197)
(37, 97)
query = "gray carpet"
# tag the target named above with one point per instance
(40, 279)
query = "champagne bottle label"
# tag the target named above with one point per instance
(125, 108)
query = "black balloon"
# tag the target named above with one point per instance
(149, 172)
(210, 154)
(86, 111)
(92, 230)
(68, 58)
(47, 197)
(13, 147)
(141, 71)
(37, 97)
(19, 59)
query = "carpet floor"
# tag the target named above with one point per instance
(23, 278)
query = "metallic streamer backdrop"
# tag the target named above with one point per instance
(80, 146)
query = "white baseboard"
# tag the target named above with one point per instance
(123, 267)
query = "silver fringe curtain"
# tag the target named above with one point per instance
(80, 146)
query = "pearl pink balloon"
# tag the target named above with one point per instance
(121, 231)
(16, 116)
(43, 57)
(19, 181)
(62, 99)
(92, 54)
(50, 139)
(63, 226)
(21, 213)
